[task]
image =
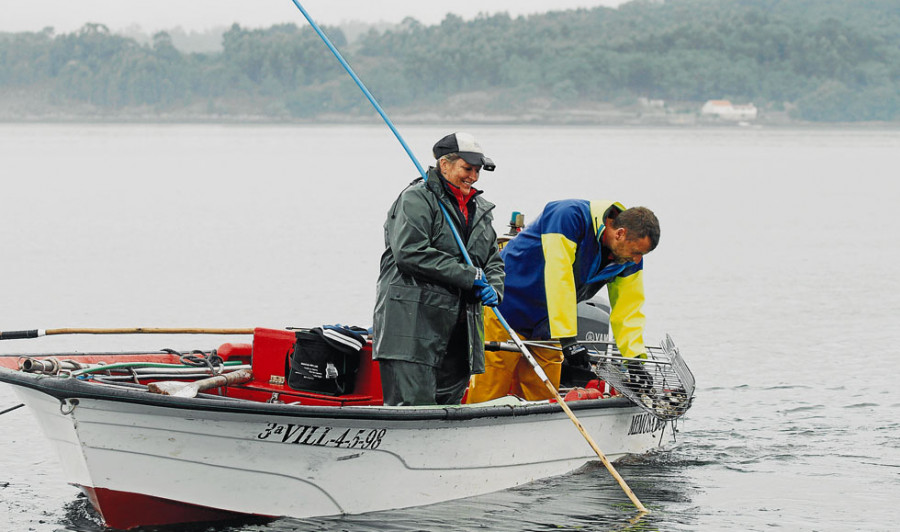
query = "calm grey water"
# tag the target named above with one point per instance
(776, 275)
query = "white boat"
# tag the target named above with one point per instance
(262, 448)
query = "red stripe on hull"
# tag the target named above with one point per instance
(124, 510)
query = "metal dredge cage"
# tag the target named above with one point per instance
(672, 390)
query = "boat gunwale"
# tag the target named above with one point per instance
(73, 388)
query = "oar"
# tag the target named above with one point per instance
(191, 389)
(35, 333)
(504, 346)
(465, 254)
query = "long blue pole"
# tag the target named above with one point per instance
(374, 102)
(361, 86)
(462, 247)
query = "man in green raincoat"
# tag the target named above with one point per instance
(428, 327)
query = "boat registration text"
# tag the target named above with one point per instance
(645, 424)
(322, 436)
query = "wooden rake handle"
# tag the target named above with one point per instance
(543, 376)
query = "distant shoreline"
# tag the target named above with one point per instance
(18, 107)
(426, 119)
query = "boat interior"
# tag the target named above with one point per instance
(267, 377)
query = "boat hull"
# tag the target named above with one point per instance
(206, 458)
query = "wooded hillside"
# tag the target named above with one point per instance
(812, 60)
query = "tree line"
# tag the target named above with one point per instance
(820, 60)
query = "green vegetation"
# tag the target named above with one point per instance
(816, 60)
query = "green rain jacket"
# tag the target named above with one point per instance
(425, 283)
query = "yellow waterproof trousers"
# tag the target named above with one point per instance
(508, 372)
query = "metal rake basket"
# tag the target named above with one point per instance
(672, 391)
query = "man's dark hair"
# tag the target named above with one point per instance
(640, 222)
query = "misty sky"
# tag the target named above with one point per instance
(152, 15)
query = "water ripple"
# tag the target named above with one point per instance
(862, 405)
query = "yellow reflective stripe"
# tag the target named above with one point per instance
(626, 297)
(559, 284)
(598, 209)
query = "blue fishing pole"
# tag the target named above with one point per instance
(462, 247)
(361, 86)
(387, 121)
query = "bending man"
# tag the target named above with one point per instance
(428, 327)
(572, 250)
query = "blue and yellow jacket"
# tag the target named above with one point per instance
(556, 262)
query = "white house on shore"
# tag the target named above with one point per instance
(726, 110)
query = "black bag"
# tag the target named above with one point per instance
(325, 359)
